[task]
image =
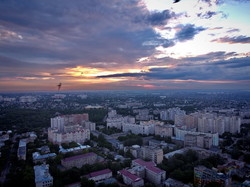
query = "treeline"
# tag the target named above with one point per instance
(24, 120)
(62, 178)
(181, 166)
(110, 131)
(131, 139)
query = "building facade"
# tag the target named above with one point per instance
(146, 129)
(164, 130)
(180, 135)
(198, 140)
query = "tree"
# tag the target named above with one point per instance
(85, 182)
(213, 184)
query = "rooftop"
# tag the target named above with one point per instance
(80, 147)
(79, 157)
(101, 172)
(42, 173)
(22, 143)
(130, 175)
(37, 156)
(149, 165)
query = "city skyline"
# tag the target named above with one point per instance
(114, 45)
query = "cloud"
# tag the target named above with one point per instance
(63, 31)
(159, 18)
(187, 32)
(207, 14)
(168, 43)
(222, 70)
(211, 2)
(57, 39)
(232, 40)
(233, 30)
(9, 35)
(11, 68)
(212, 56)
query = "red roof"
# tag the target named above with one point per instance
(130, 175)
(149, 165)
(144, 163)
(79, 157)
(101, 172)
(155, 169)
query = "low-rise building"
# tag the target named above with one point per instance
(37, 157)
(152, 173)
(73, 149)
(174, 183)
(131, 179)
(203, 176)
(21, 152)
(42, 176)
(99, 176)
(79, 160)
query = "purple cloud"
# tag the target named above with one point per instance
(232, 40)
(187, 32)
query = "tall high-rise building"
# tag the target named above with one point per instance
(68, 128)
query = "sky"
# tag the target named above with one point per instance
(124, 45)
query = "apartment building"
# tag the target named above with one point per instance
(164, 130)
(68, 128)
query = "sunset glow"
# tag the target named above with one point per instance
(142, 44)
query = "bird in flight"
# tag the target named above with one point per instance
(176, 1)
(59, 86)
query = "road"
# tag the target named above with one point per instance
(7, 166)
(5, 172)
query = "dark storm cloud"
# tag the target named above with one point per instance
(236, 62)
(187, 32)
(223, 70)
(232, 40)
(84, 31)
(11, 65)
